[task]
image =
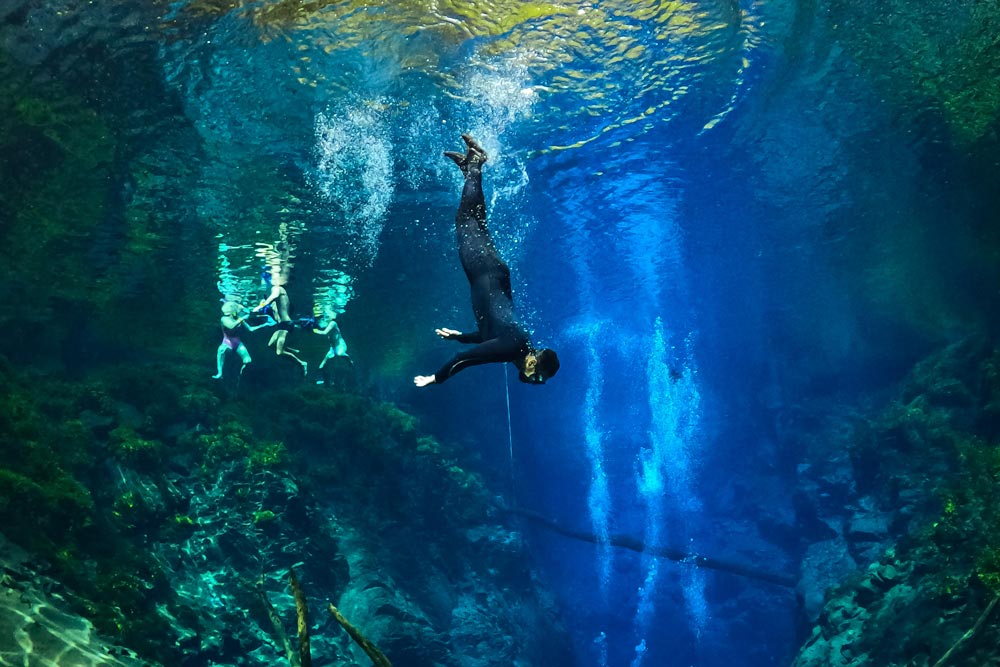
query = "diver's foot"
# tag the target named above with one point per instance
(474, 156)
(305, 368)
(217, 376)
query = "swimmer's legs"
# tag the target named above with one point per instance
(220, 359)
(279, 347)
(244, 355)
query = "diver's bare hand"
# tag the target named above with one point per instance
(447, 333)
(423, 380)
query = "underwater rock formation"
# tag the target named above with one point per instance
(935, 463)
(193, 501)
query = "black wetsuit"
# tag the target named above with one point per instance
(500, 338)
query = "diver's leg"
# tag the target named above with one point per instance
(475, 246)
(220, 360)
(472, 208)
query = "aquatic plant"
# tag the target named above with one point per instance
(267, 455)
(234, 442)
(263, 516)
(130, 449)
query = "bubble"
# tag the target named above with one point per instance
(354, 172)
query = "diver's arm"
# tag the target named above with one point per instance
(495, 350)
(452, 334)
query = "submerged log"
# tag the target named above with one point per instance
(969, 634)
(637, 545)
(279, 630)
(302, 619)
(377, 657)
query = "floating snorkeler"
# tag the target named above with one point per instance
(500, 337)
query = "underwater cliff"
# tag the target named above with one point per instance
(921, 475)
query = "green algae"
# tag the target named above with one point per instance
(267, 455)
(59, 154)
(988, 567)
(90, 235)
(137, 452)
(42, 504)
(92, 458)
(925, 56)
(264, 516)
(922, 595)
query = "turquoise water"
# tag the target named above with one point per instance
(725, 216)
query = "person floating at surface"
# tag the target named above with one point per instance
(279, 297)
(338, 346)
(500, 337)
(231, 323)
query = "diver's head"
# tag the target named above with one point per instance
(539, 366)
(230, 309)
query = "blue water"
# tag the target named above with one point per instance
(709, 211)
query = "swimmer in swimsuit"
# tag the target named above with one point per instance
(500, 337)
(231, 323)
(338, 346)
(279, 298)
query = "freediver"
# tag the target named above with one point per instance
(500, 337)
